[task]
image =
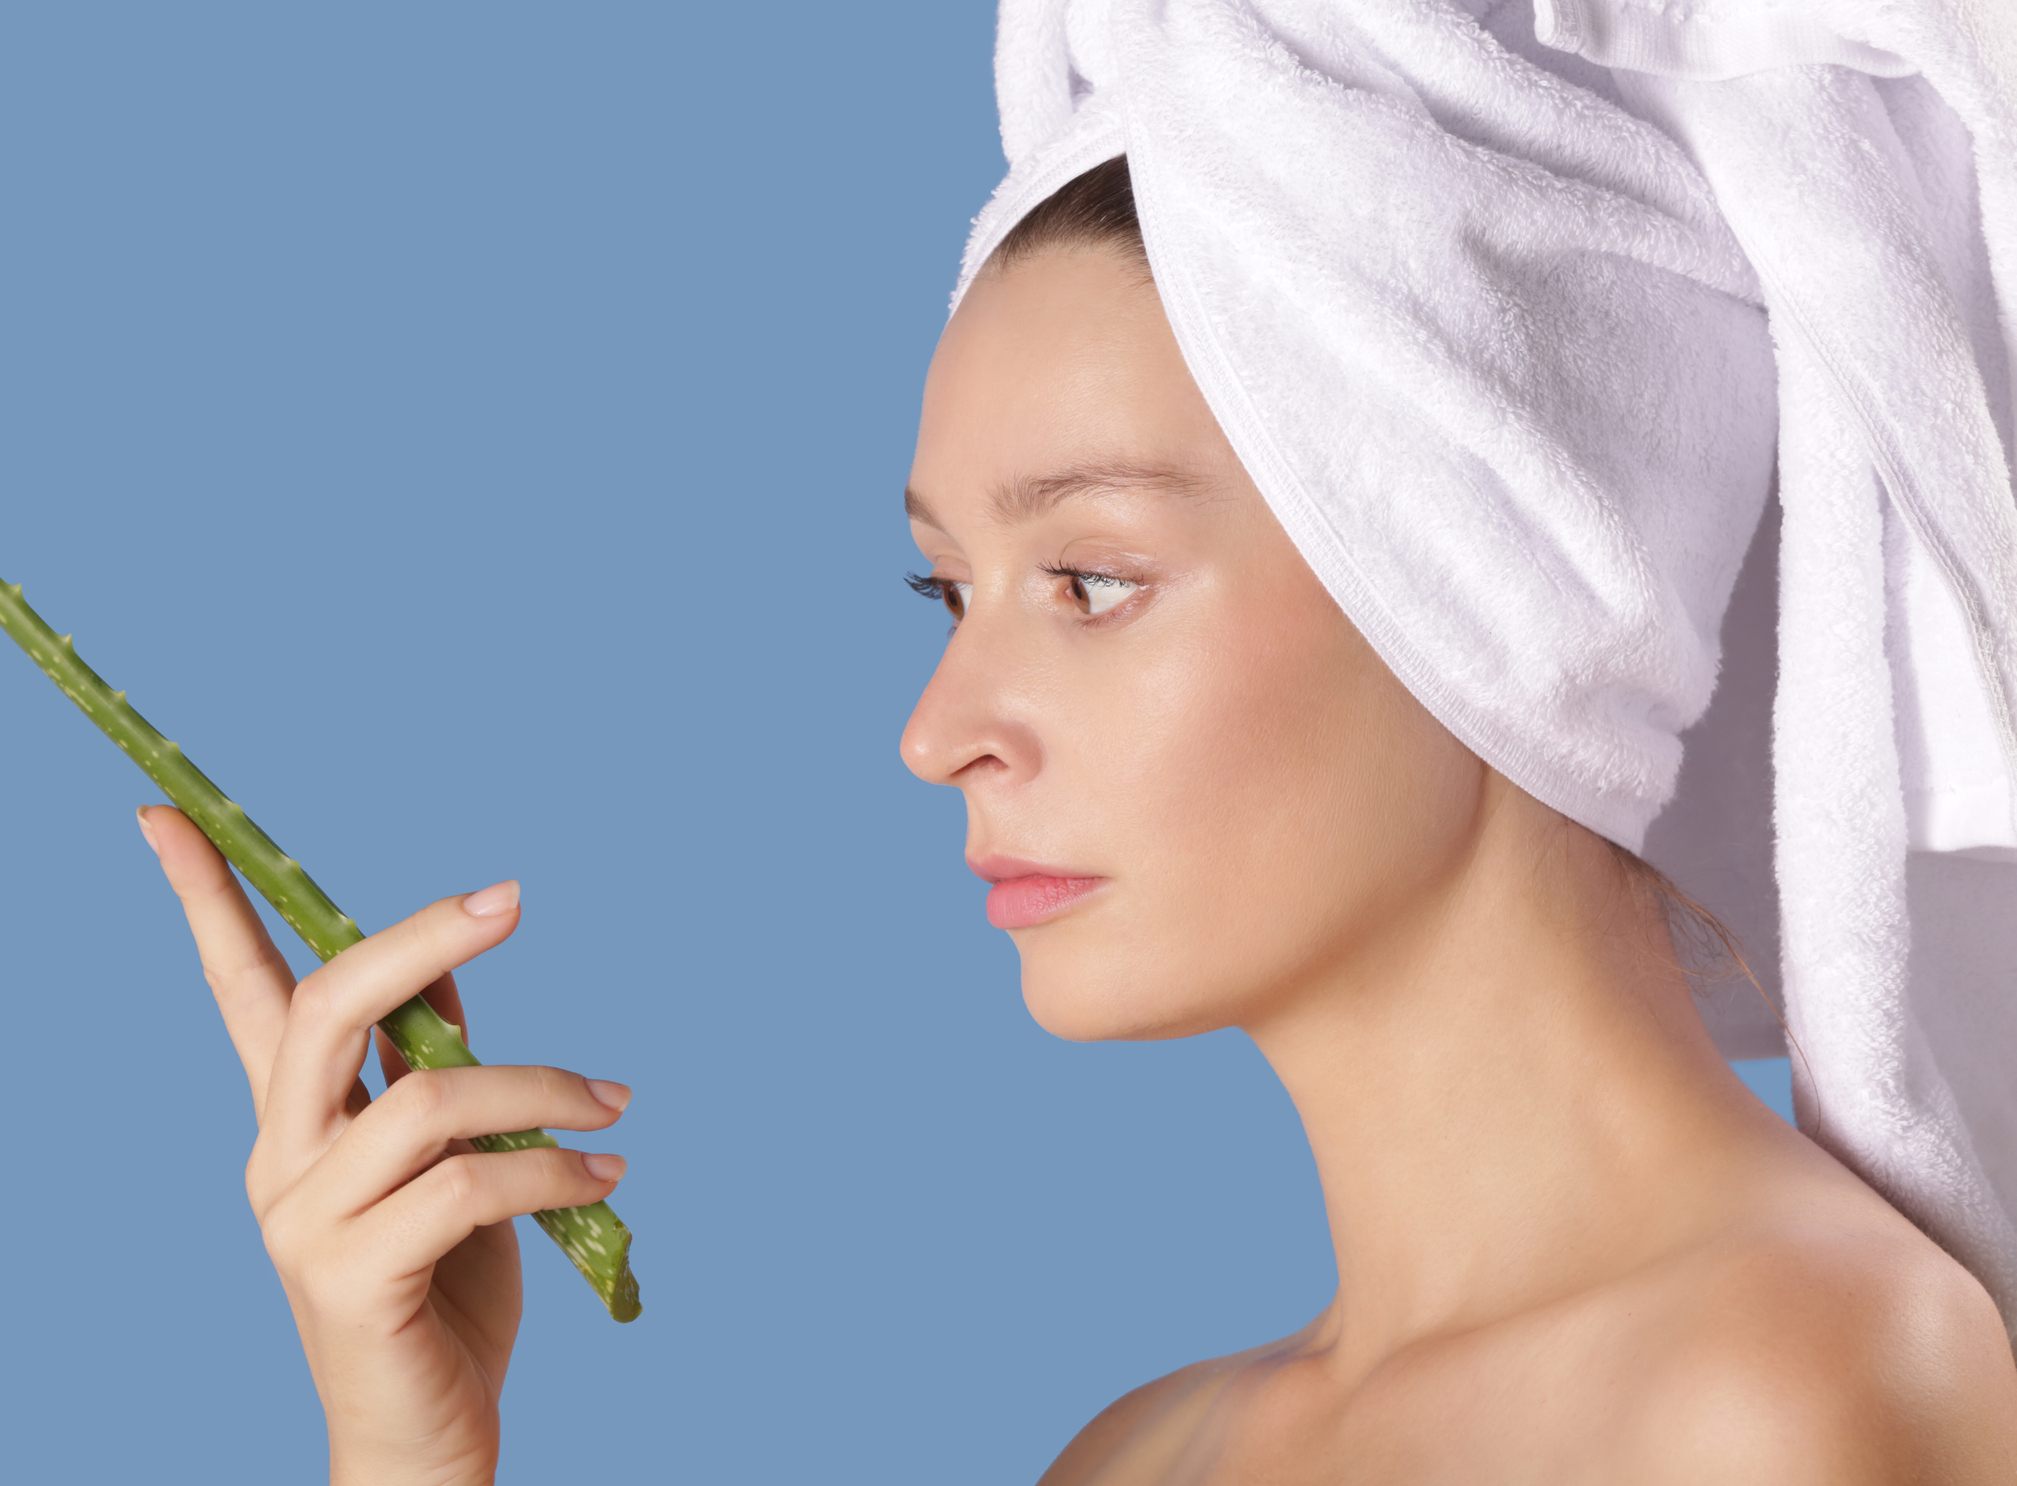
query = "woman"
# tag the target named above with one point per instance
(1215, 783)
(1570, 1244)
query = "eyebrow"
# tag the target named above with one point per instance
(1032, 496)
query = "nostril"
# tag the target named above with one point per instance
(978, 768)
(959, 732)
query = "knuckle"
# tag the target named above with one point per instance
(313, 999)
(550, 1171)
(266, 1177)
(419, 943)
(567, 1166)
(286, 1236)
(555, 1088)
(423, 1097)
(203, 880)
(258, 1187)
(460, 1180)
(222, 972)
(427, 932)
(403, 936)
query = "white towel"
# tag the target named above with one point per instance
(1511, 327)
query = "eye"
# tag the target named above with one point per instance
(1095, 593)
(955, 596)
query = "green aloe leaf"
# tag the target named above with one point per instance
(593, 1236)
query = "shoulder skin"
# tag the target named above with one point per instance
(1820, 1360)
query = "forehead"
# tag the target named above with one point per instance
(1031, 497)
(1060, 377)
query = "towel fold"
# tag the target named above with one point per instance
(1513, 318)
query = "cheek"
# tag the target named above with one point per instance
(1274, 796)
(1286, 778)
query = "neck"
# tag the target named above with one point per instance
(1510, 1097)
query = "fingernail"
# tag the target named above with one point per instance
(616, 1096)
(498, 898)
(605, 1168)
(147, 831)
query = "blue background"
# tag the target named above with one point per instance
(476, 433)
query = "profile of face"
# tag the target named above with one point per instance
(1197, 790)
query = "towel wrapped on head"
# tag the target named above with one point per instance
(1515, 319)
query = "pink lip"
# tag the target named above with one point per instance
(1028, 893)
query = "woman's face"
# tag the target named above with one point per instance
(1197, 791)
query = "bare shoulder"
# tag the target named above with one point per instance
(1142, 1433)
(1836, 1351)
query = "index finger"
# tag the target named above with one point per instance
(248, 976)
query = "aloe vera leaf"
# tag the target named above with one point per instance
(593, 1236)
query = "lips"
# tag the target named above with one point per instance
(1026, 894)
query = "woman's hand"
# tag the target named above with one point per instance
(392, 1237)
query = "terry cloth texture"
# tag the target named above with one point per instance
(1516, 319)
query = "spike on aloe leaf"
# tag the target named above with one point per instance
(592, 1237)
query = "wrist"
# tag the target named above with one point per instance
(375, 1467)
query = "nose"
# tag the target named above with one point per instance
(964, 727)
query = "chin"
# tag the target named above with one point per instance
(1100, 992)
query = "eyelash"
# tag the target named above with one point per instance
(935, 589)
(942, 591)
(1088, 580)
(1079, 573)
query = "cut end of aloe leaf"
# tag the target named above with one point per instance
(622, 1297)
(592, 1237)
(598, 1243)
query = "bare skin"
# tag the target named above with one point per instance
(1570, 1245)
(392, 1237)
